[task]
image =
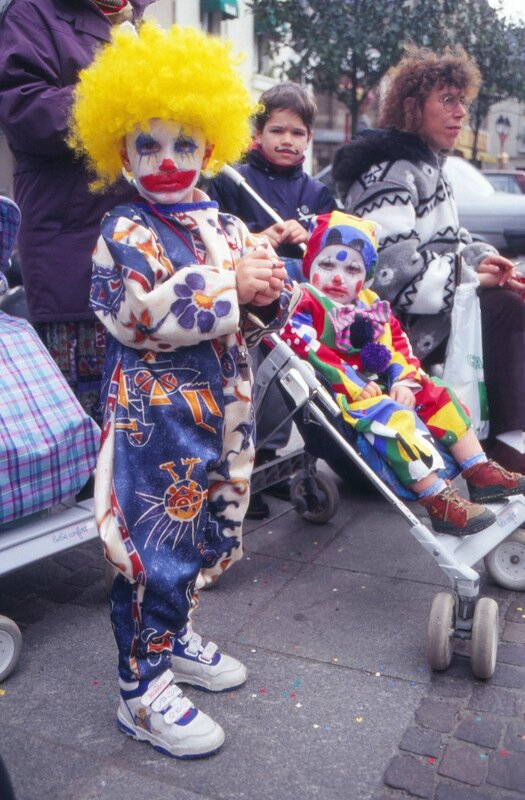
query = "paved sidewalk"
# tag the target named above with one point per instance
(340, 703)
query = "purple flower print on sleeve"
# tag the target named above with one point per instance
(196, 308)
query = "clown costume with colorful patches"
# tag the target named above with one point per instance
(180, 288)
(352, 339)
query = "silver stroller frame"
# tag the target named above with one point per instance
(463, 614)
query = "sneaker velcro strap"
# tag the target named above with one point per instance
(177, 710)
(157, 687)
(208, 652)
(165, 699)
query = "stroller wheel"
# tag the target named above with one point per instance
(315, 496)
(10, 644)
(440, 633)
(484, 644)
(506, 563)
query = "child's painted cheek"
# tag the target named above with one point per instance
(315, 280)
(359, 285)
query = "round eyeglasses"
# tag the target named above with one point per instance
(451, 101)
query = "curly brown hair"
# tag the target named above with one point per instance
(413, 78)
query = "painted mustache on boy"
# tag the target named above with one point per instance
(292, 150)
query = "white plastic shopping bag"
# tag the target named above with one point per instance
(464, 359)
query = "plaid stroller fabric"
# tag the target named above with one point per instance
(48, 444)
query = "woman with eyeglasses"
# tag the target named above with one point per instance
(394, 176)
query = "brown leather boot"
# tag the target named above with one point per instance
(490, 481)
(453, 514)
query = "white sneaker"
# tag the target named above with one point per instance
(167, 720)
(205, 666)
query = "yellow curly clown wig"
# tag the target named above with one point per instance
(179, 74)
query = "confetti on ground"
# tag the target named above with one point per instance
(298, 705)
(377, 674)
(95, 683)
(253, 650)
(431, 760)
(316, 726)
(504, 753)
(392, 682)
(478, 719)
(483, 756)
(296, 683)
(335, 659)
(2, 692)
(413, 684)
(359, 719)
(263, 691)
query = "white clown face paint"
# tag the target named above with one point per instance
(339, 272)
(166, 161)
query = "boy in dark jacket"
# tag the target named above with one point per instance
(274, 169)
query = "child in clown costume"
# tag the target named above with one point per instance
(180, 288)
(351, 338)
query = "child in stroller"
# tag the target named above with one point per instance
(355, 343)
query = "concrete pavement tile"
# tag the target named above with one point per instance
(447, 791)
(461, 762)
(412, 775)
(514, 632)
(509, 676)
(507, 770)
(494, 700)
(438, 715)
(511, 654)
(515, 736)
(363, 621)
(480, 729)
(421, 742)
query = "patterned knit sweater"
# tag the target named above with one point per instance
(393, 178)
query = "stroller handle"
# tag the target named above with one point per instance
(239, 180)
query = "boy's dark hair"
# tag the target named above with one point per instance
(410, 82)
(286, 96)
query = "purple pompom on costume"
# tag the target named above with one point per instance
(375, 357)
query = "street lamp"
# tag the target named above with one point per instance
(502, 128)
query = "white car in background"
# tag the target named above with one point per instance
(490, 216)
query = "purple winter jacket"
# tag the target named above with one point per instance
(43, 45)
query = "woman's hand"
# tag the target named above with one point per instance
(496, 270)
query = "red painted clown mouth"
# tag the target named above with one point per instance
(168, 182)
